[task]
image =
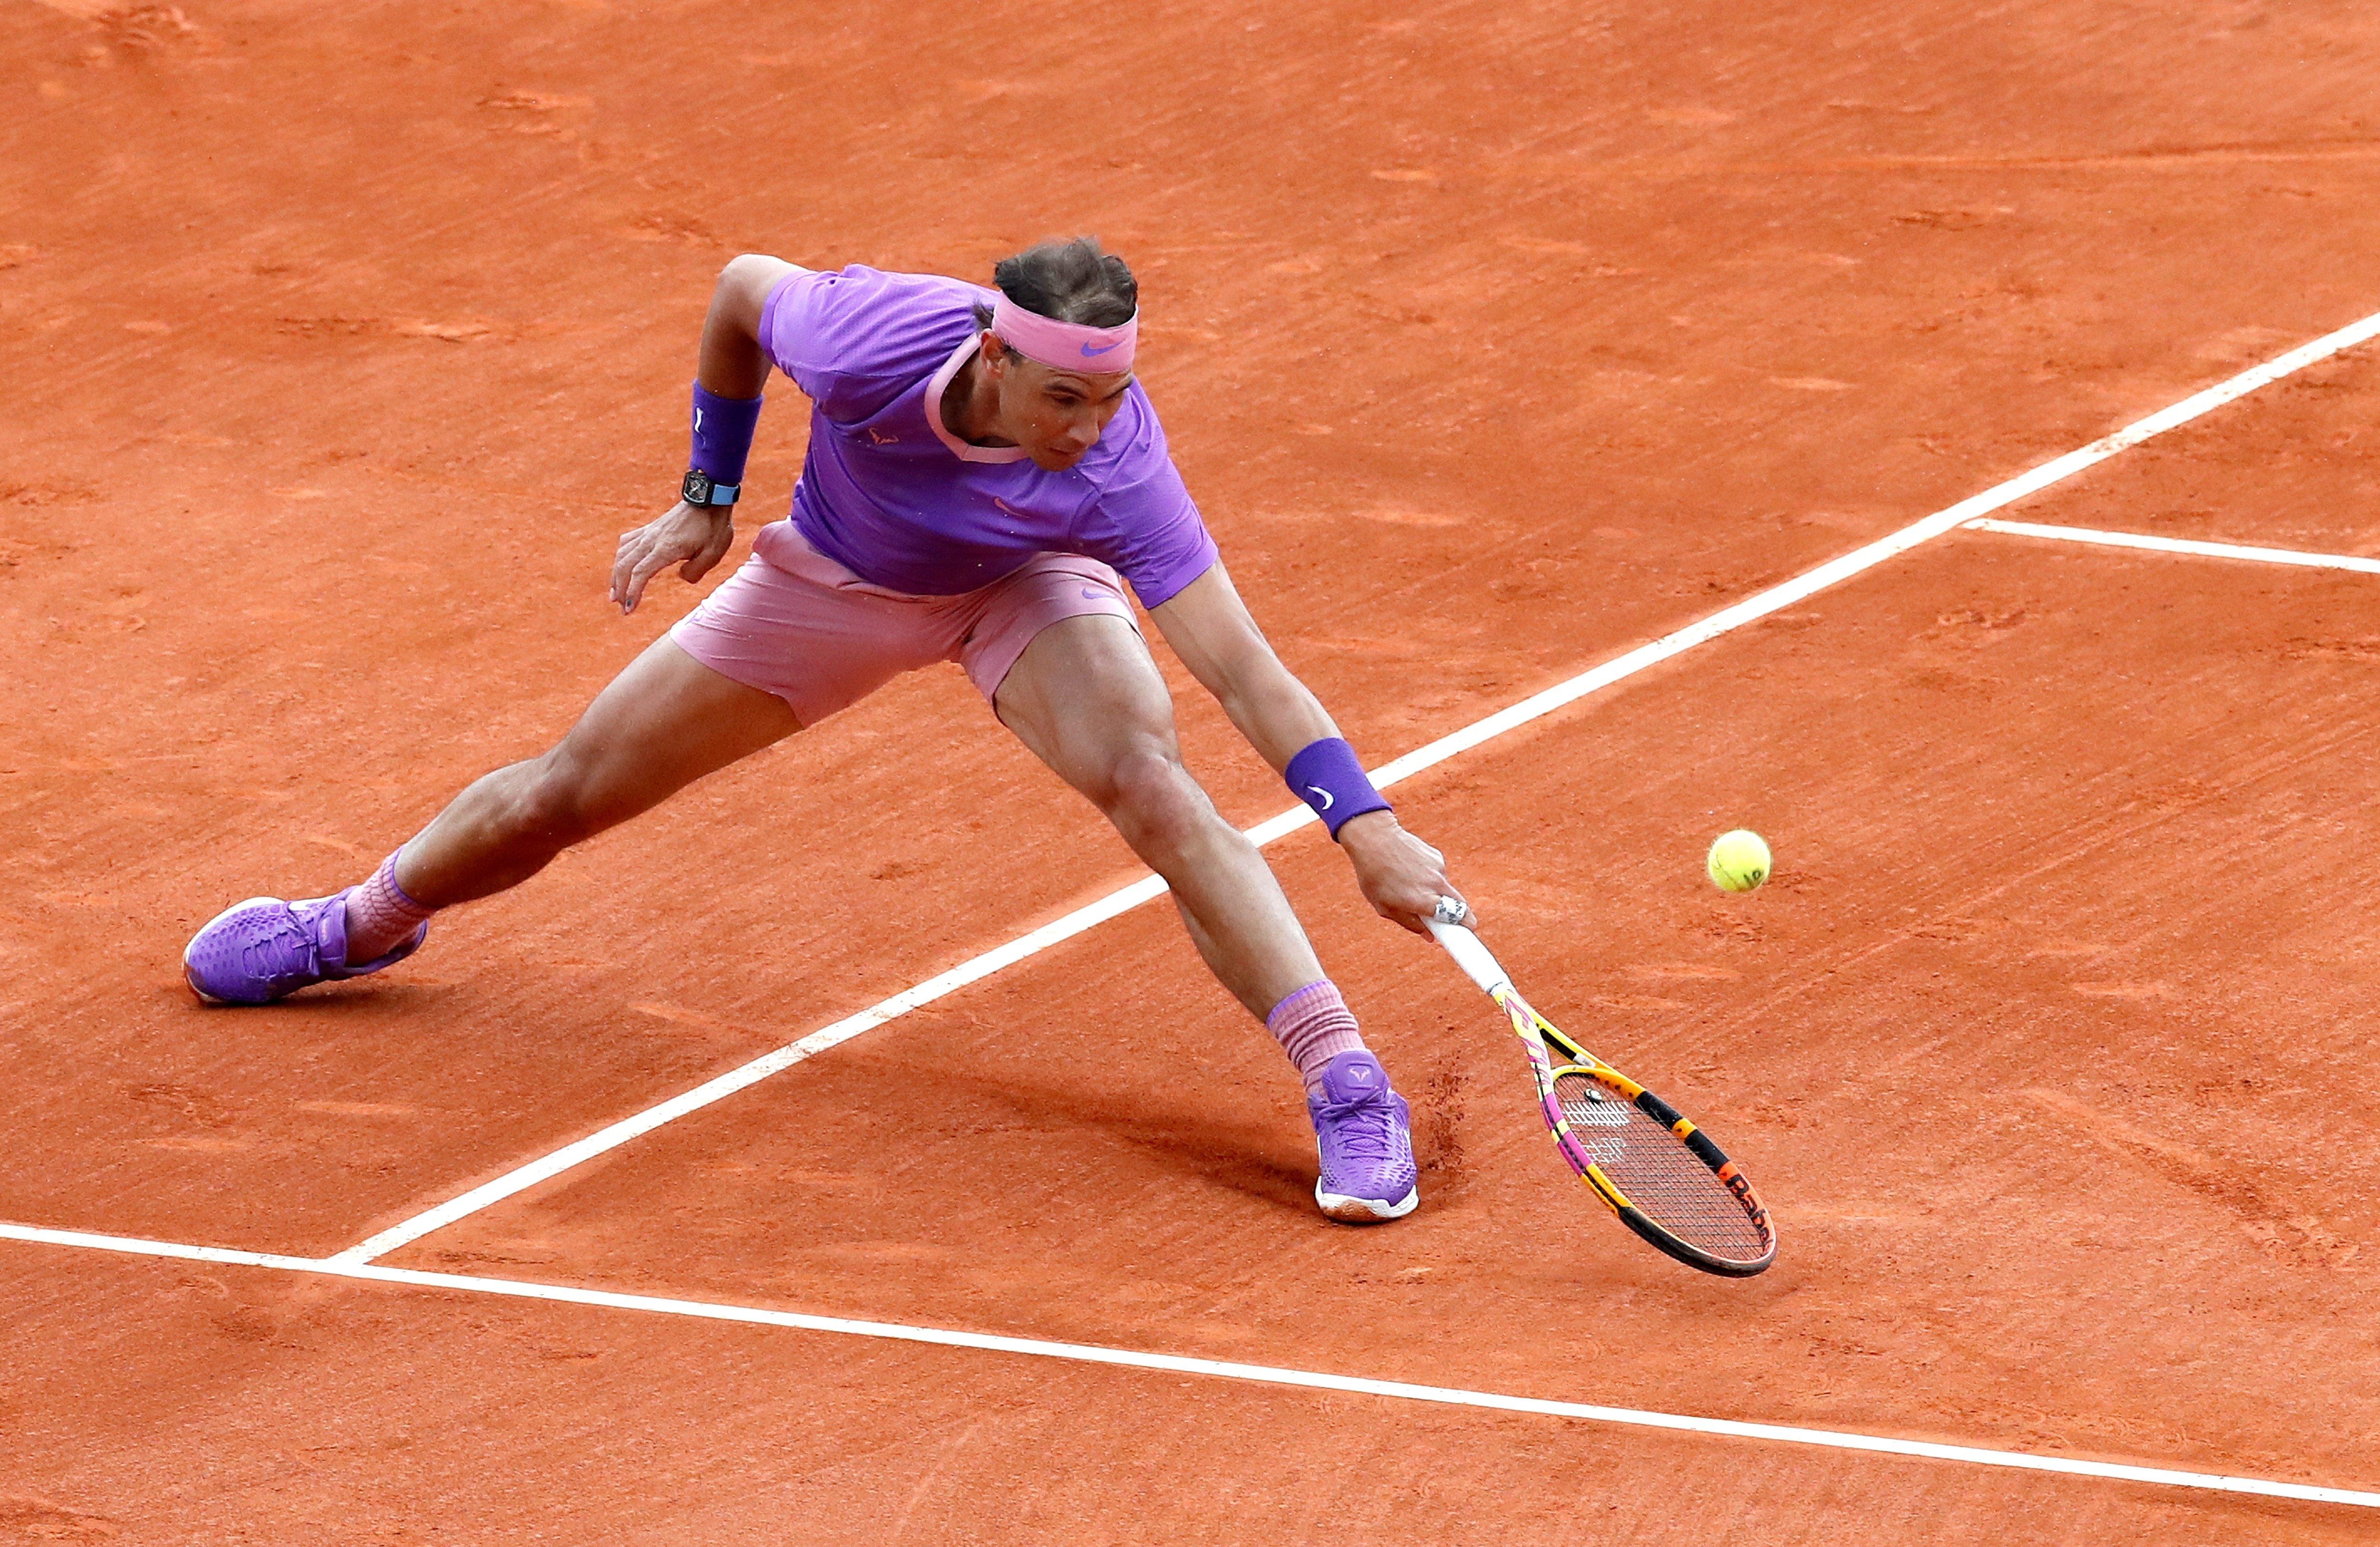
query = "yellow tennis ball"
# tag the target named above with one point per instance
(1739, 860)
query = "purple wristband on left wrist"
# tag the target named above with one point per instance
(1327, 777)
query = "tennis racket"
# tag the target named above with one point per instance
(1661, 1175)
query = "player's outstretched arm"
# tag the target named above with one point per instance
(732, 365)
(1209, 628)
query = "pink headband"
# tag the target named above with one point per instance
(1066, 346)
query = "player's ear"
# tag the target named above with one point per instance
(995, 352)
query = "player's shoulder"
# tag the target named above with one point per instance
(834, 330)
(893, 287)
(881, 300)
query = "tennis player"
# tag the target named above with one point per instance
(985, 472)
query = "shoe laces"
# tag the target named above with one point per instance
(268, 956)
(1366, 1128)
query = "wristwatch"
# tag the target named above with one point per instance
(698, 489)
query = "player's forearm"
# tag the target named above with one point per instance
(1279, 714)
(1209, 628)
(1211, 631)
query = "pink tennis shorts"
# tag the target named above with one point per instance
(794, 623)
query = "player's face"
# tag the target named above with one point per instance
(1056, 414)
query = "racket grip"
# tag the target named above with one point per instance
(1478, 962)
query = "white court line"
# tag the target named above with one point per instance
(1083, 1353)
(2182, 545)
(1752, 609)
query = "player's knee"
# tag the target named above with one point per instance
(555, 803)
(1153, 801)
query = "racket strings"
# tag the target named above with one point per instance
(1661, 1176)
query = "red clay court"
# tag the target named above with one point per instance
(1498, 343)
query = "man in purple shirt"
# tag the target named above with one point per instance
(985, 474)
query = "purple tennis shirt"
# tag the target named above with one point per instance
(892, 495)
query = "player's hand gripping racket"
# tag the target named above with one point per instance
(1661, 1175)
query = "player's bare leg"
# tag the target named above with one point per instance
(1086, 698)
(663, 723)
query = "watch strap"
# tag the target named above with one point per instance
(699, 488)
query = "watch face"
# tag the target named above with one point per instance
(696, 488)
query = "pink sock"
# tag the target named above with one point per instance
(1313, 1027)
(380, 916)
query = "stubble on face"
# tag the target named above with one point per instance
(1057, 415)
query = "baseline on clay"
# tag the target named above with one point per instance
(1260, 1374)
(1831, 1439)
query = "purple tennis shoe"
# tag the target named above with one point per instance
(1361, 1128)
(264, 950)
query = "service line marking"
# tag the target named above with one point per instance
(1727, 620)
(2181, 545)
(1084, 1353)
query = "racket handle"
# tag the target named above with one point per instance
(1478, 962)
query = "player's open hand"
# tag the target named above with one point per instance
(1403, 877)
(692, 538)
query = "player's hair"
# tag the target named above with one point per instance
(1072, 281)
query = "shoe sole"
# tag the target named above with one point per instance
(1364, 1210)
(190, 977)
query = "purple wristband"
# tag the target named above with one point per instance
(723, 435)
(1327, 777)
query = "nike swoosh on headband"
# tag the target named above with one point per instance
(1090, 351)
